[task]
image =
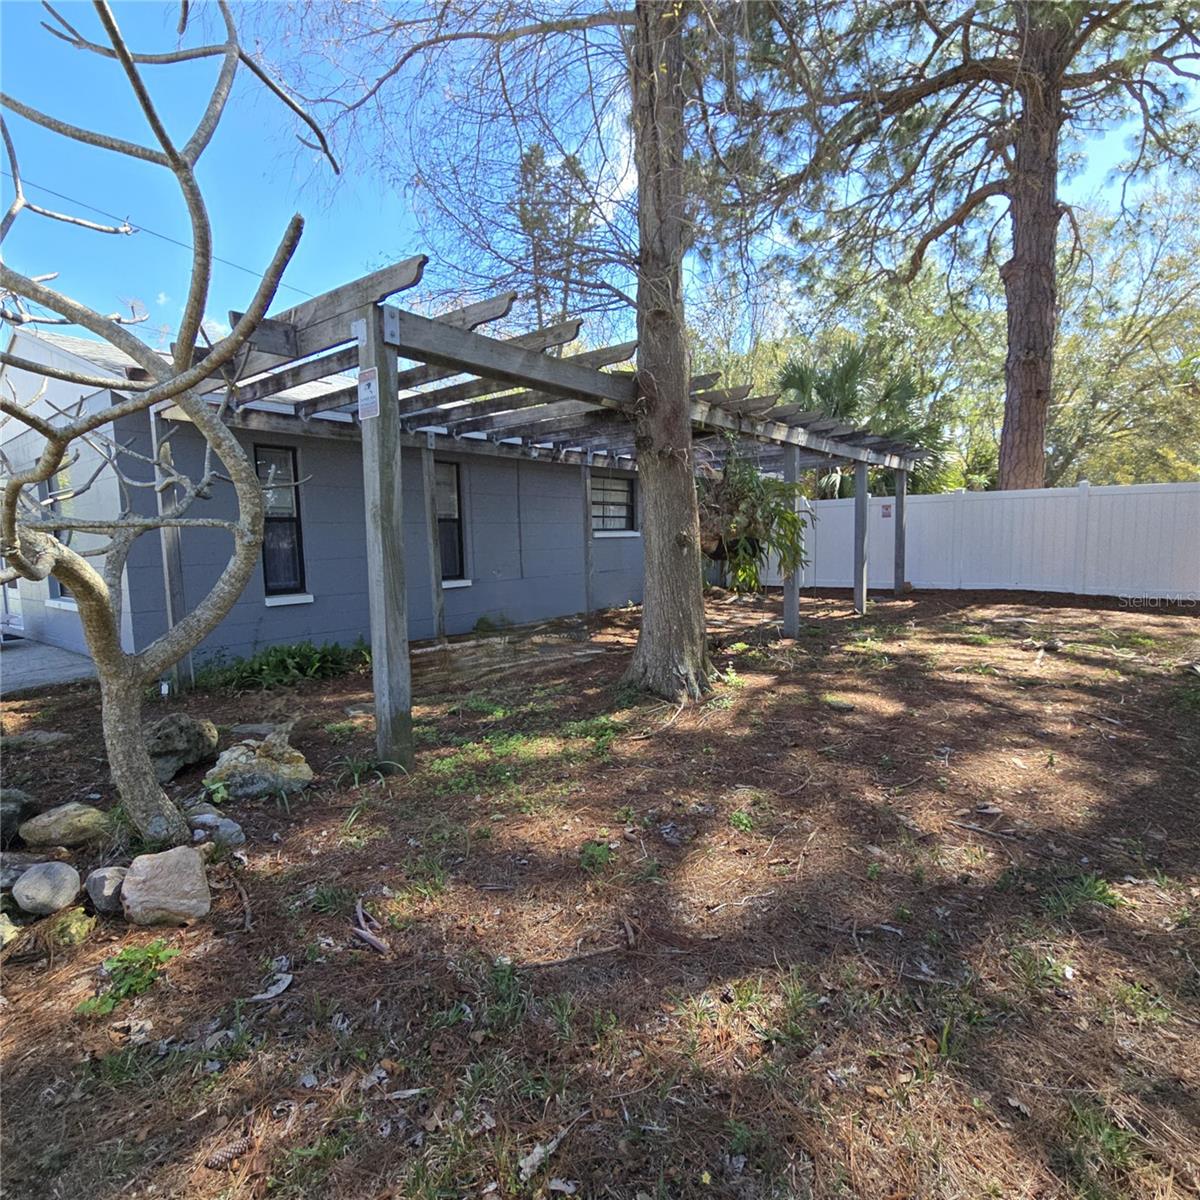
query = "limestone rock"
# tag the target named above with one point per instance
(67, 825)
(14, 864)
(178, 741)
(166, 888)
(252, 770)
(9, 929)
(71, 927)
(104, 888)
(253, 729)
(46, 888)
(33, 739)
(199, 808)
(15, 806)
(216, 828)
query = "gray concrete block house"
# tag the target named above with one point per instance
(510, 532)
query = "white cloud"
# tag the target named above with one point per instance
(215, 329)
(162, 298)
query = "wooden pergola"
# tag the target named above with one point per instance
(503, 396)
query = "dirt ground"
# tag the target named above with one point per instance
(909, 907)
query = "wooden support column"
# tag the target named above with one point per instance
(901, 530)
(182, 675)
(861, 502)
(585, 475)
(437, 592)
(791, 581)
(386, 592)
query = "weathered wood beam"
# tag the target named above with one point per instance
(585, 476)
(334, 363)
(324, 321)
(900, 515)
(429, 341)
(723, 396)
(754, 406)
(387, 593)
(560, 334)
(518, 424)
(465, 408)
(791, 581)
(862, 499)
(434, 540)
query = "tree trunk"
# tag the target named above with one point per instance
(1030, 276)
(149, 810)
(147, 806)
(671, 657)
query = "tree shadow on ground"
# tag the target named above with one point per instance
(944, 950)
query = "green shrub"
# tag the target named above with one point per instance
(278, 666)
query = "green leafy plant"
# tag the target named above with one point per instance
(279, 666)
(356, 768)
(130, 973)
(594, 856)
(746, 518)
(743, 822)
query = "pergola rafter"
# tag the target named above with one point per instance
(503, 396)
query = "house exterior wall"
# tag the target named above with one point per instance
(523, 553)
(46, 617)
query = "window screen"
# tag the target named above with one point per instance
(283, 557)
(613, 504)
(449, 519)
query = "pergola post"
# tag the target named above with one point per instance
(901, 531)
(791, 581)
(436, 591)
(379, 418)
(585, 475)
(861, 501)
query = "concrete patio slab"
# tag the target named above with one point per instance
(26, 666)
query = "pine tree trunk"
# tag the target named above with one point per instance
(671, 657)
(1030, 276)
(149, 810)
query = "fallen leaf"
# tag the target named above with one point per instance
(279, 984)
(529, 1165)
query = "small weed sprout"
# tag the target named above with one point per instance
(742, 821)
(595, 856)
(130, 973)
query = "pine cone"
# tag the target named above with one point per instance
(220, 1160)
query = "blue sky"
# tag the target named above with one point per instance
(254, 175)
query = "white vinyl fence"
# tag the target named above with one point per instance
(1141, 540)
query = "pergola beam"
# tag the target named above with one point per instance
(429, 341)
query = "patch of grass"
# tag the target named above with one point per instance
(508, 997)
(799, 1003)
(1098, 1146)
(1035, 972)
(342, 731)
(1186, 697)
(130, 973)
(976, 639)
(279, 666)
(595, 856)
(874, 870)
(1071, 895)
(562, 1010)
(601, 731)
(742, 821)
(426, 877)
(354, 768)
(330, 900)
(1144, 1005)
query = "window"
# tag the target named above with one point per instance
(283, 557)
(52, 490)
(613, 504)
(449, 519)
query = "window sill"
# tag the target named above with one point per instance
(456, 583)
(616, 533)
(64, 605)
(284, 601)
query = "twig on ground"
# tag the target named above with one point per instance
(247, 916)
